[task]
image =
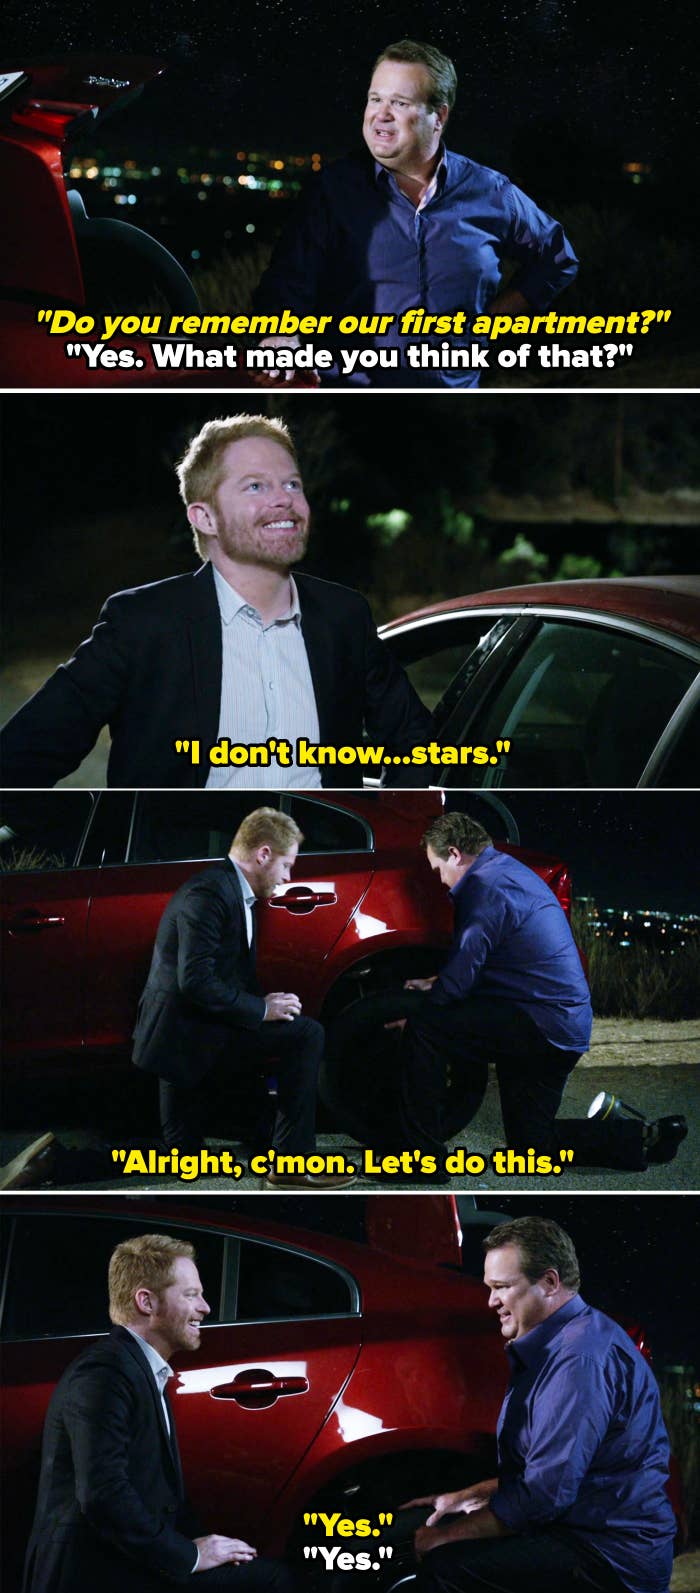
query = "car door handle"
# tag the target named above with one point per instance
(30, 919)
(301, 899)
(258, 1388)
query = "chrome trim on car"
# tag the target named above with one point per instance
(666, 742)
(621, 622)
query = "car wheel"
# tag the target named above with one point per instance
(361, 1071)
(376, 1487)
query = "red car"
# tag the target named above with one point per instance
(333, 1374)
(594, 683)
(54, 256)
(86, 878)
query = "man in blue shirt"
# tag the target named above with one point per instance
(580, 1498)
(512, 992)
(411, 225)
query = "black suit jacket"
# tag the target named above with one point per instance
(151, 670)
(201, 983)
(111, 1512)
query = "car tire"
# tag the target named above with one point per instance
(361, 1070)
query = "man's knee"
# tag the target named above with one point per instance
(447, 1570)
(258, 1576)
(310, 1034)
(281, 1579)
(424, 1029)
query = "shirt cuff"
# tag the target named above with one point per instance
(196, 1563)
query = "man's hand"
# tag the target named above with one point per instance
(510, 302)
(281, 1007)
(463, 1501)
(265, 378)
(215, 1550)
(428, 1538)
(400, 1023)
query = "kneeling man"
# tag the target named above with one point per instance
(579, 1500)
(202, 1003)
(112, 1512)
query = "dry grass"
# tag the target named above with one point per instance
(637, 981)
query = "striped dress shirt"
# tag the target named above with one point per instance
(266, 690)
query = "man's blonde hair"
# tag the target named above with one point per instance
(200, 471)
(266, 827)
(145, 1262)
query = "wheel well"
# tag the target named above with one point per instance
(377, 972)
(389, 1481)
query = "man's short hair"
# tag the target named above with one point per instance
(266, 827)
(542, 1244)
(456, 829)
(443, 78)
(200, 471)
(145, 1262)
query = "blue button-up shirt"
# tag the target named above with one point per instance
(358, 245)
(582, 1444)
(512, 941)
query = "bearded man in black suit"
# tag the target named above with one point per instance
(241, 650)
(112, 1511)
(202, 1003)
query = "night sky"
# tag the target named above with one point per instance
(106, 452)
(625, 848)
(615, 74)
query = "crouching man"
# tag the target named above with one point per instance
(579, 1500)
(112, 1511)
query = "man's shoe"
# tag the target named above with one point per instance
(33, 1166)
(663, 1137)
(309, 1180)
(330, 1180)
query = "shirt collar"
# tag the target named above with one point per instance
(484, 857)
(529, 1349)
(437, 181)
(155, 1360)
(247, 891)
(231, 603)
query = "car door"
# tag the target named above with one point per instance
(582, 701)
(175, 834)
(270, 1384)
(45, 912)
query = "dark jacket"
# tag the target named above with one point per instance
(111, 1512)
(151, 670)
(201, 983)
(356, 246)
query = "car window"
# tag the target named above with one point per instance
(56, 1284)
(328, 829)
(488, 810)
(275, 1283)
(682, 767)
(42, 831)
(434, 653)
(108, 836)
(582, 706)
(175, 826)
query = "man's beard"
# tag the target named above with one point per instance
(251, 546)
